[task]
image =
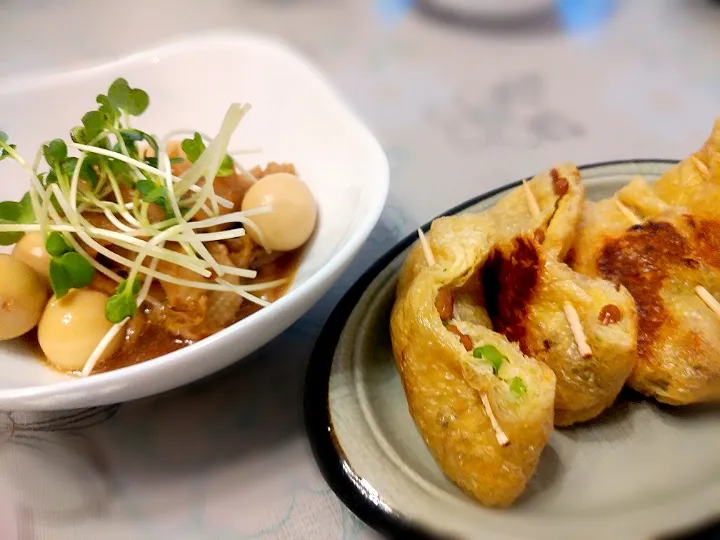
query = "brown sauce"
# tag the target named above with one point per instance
(155, 341)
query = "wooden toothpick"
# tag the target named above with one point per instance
(532, 201)
(500, 435)
(577, 330)
(708, 298)
(627, 212)
(429, 257)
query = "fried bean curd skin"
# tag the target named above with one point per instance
(559, 194)
(695, 182)
(449, 367)
(525, 289)
(661, 259)
(525, 294)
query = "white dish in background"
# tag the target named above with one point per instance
(296, 117)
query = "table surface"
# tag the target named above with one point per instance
(462, 104)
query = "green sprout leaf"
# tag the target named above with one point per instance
(56, 245)
(50, 178)
(9, 215)
(227, 167)
(131, 100)
(71, 271)
(108, 110)
(60, 280)
(123, 303)
(87, 169)
(194, 148)
(153, 193)
(153, 161)
(93, 124)
(12, 213)
(491, 355)
(121, 171)
(27, 214)
(55, 152)
(4, 146)
(135, 135)
(517, 387)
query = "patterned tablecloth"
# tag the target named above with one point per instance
(461, 106)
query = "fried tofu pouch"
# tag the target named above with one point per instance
(559, 193)
(660, 261)
(444, 382)
(527, 293)
(694, 183)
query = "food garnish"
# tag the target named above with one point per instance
(112, 172)
(500, 435)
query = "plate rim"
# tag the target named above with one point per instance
(116, 386)
(358, 496)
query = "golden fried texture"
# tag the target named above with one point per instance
(443, 382)
(531, 312)
(559, 193)
(695, 182)
(660, 261)
(525, 293)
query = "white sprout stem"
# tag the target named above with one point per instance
(207, 138)
(75, 181)
(244, 151)
(265, 285)
(138, 164)
(115, 221)
(112, 333)
(115, 188)
(160, 238)
(242, 291)
(246, 173)
(35, 185)
(210, 160)
(235, 217)
(80, 231)
(197, 245)
(116, 155)
(100, 349)
(76, 245)
(221, 235)
(87, 239)
(205, 192)
(127, 241)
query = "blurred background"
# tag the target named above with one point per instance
(464, 95)
(485, 90)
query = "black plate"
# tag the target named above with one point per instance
(333, 465)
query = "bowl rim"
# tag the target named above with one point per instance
(360, 497)
(64, 394)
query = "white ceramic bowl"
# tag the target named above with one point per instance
(296, 117)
